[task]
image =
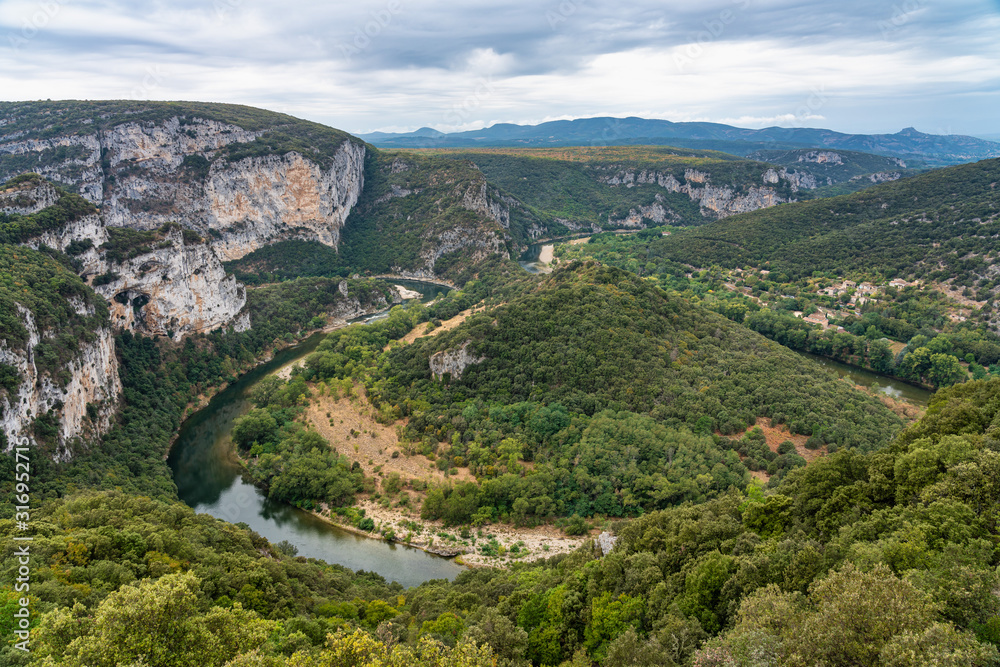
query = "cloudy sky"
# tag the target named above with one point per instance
(854, 65)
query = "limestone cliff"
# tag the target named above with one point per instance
(715, 201)
(166, 282)
(242, 188)
(174, 289)
(80, 407)
(454, 362)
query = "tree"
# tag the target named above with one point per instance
(509, 642)
(157, 623)
(256, 426)
(880, 356)
(945, 370)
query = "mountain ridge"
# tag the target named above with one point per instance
(606, 130)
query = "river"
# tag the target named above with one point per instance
(209, 479)
(897, 389)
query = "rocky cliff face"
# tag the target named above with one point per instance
(256, 201)
(715, 201)
(84, 407)
(880, 177)
(657, 213)
(176, 289)
(145, 174)
(175, 286)
(88, 231)
(453, 362)
(478, 240)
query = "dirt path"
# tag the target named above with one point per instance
(425, 329)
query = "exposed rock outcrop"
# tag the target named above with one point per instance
(715, 201)
(606, 542)
(94, 382)
(87, 232)
(176, 289)
(798, 180)
(256, 201)
(822, 157)
(30, 197)
(453, 362)
(656, 213)
(178, 286)
(146, 174)
(880, 177)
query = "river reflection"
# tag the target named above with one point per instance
(897, 389)
(210, 480)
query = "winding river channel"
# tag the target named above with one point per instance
(210, 480)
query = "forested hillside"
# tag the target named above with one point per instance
(887, 558)
(937, 226)
(567, 373)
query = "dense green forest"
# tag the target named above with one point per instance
(616, 397)
(862, 330)
(936, 226)
(884, 558)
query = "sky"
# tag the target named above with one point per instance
(861, 66)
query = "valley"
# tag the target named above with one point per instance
(571, 403)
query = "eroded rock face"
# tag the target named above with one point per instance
(176, 289)
(88, 230)
(880, 177)
(145, 174)
(656, 213)
(822, 157)
(715, 201)
(258, 200)
(453, 362)
(94, 381)
(30, 198)
(479, 241)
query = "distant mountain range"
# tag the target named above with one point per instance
(935, 150)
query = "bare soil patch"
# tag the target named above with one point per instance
(372, 444)
(349, 425)
(424, 330)
(775, 435)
